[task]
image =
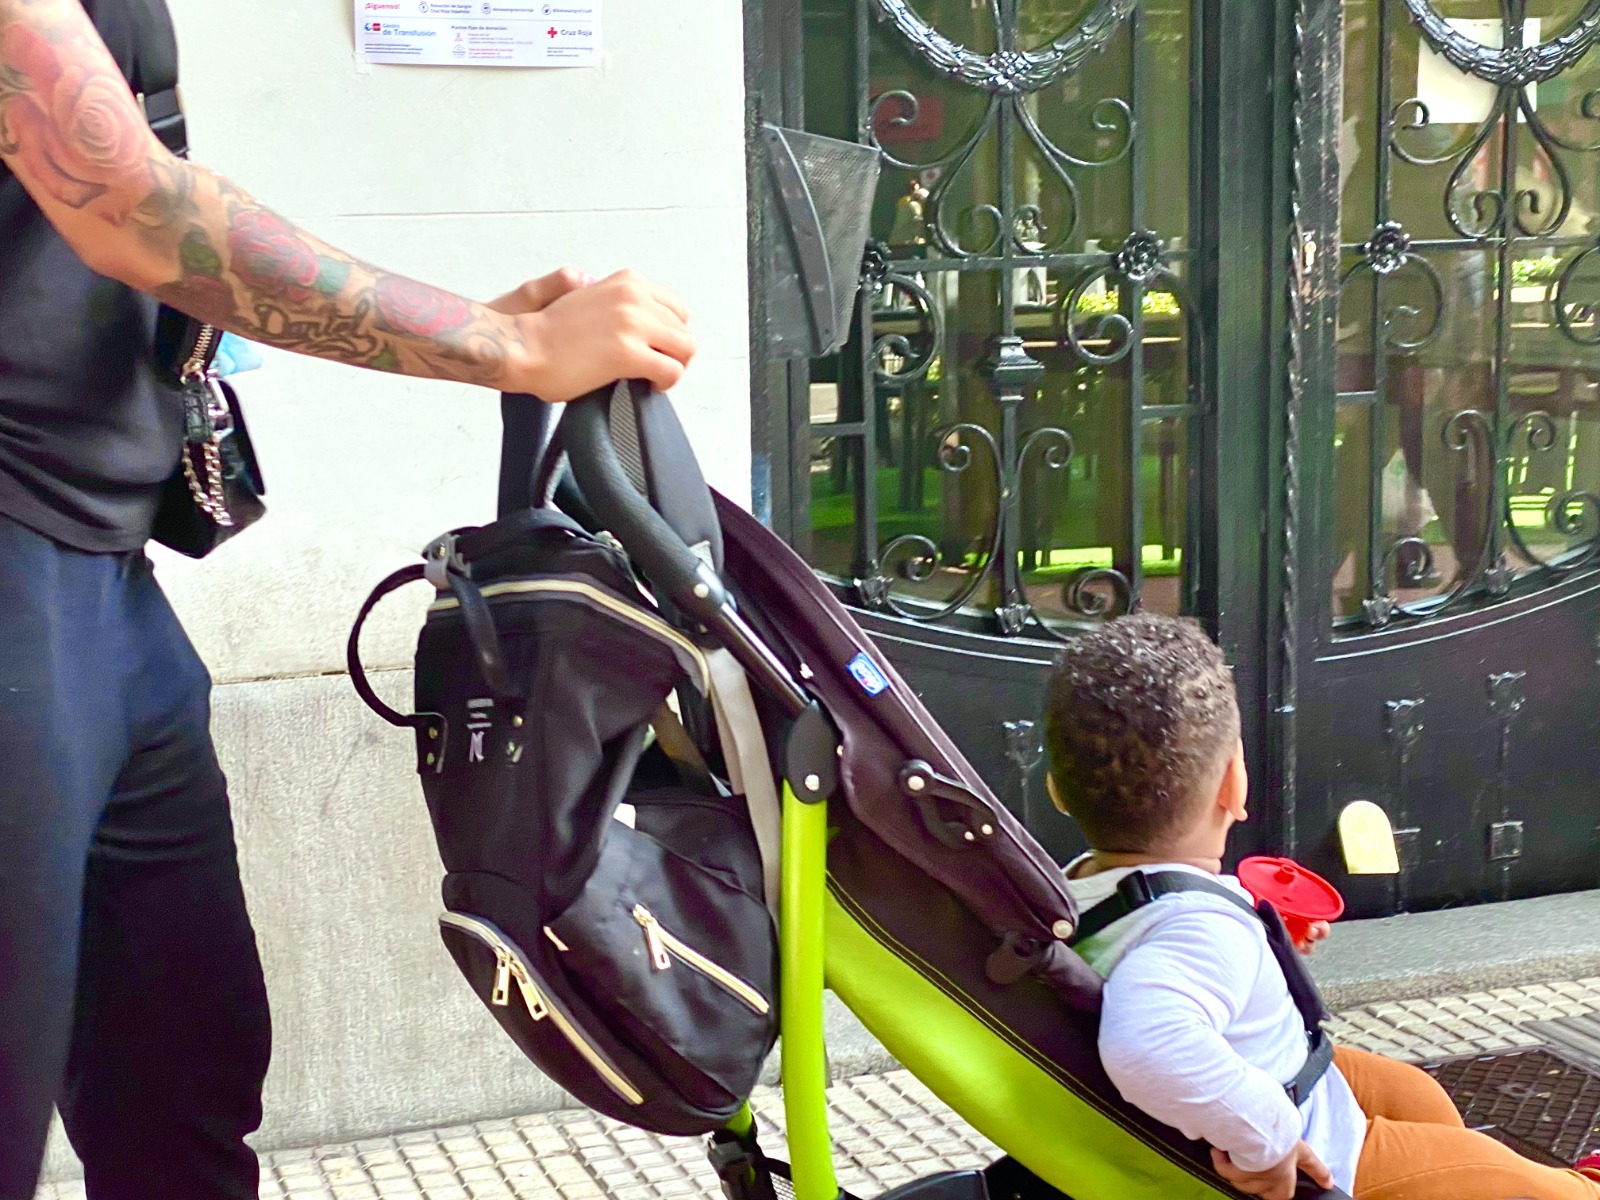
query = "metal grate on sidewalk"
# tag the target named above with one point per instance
(1540, 1103)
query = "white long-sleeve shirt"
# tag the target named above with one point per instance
(1198, 1029)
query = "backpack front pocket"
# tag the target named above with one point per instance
(679, 962)
(518, 1000)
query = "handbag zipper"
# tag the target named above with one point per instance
(664, 947)
(194, 370)
(205, 480)
(508, 968)
(654, 625)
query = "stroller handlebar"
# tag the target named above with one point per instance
(660, 553)
(673, 569)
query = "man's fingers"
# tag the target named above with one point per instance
(652, 291)
(663, 372)
(547, 289)
(675, 341)
(538, 294)
(670, 302)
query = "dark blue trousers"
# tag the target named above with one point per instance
(130, 988)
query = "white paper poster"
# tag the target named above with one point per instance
(1455, 98)
(479, 33)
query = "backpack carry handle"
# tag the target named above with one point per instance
(476, 618)
(353, 663)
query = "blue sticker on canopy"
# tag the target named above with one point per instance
(867, 674)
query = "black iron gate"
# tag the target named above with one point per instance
(1447, 628)
(1117, 346)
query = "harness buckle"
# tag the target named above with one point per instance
(1135, 890)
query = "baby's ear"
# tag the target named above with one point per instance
(1233, 793)
(1055, 796)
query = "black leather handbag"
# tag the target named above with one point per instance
(216, 489)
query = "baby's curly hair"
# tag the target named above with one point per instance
(1140, 715)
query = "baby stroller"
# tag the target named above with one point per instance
(899, 881)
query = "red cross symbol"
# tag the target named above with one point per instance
(552, 31)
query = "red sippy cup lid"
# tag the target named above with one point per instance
(1291, 889)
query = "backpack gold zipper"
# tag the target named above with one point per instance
(509, 967)
(664, 947)
(562, 587)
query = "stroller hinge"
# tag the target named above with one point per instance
(811, 755)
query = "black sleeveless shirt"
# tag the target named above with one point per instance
(87, 434)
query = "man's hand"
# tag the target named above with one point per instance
(620, 328)
(1275, 1183)
(582, 334)
(1318, 932)
(73, 134)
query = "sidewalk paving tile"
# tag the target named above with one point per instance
(889, 1128)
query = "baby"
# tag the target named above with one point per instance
(1199, 1027)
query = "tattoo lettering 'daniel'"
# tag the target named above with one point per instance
(72, 131)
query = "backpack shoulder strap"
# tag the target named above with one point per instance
(1139, 888)
(155, 72)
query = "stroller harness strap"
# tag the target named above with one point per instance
(744, 746)
(1138, 889)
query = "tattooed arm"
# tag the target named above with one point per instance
(74, 135)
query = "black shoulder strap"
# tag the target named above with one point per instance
(1139, 888)
(155, 72)
(1136, 889)
(1319, 1057)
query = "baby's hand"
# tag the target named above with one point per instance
(1318, 932)
(1275, 1183)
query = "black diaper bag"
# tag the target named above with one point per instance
(603, 897)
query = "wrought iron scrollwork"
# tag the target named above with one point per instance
(948, 167)
(898, 359)
(1512, 66)
(1572, 314)
(1141, 261)
(1494, 216)
(1387, 254)
(915, 558)
(981, 229)
(1007, 71)
(1001, 197)
(1098, 592)
(1468, 433)
(1573, 513)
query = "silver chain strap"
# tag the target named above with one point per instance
(207, 492)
